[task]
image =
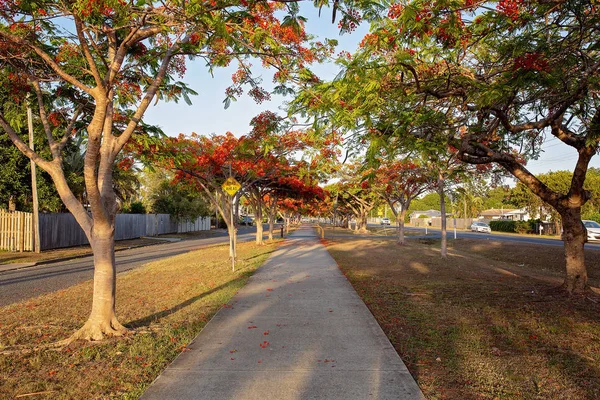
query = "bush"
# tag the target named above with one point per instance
(503, 226)
(135, 207)
(522, 227)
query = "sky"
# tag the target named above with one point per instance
(207, 114)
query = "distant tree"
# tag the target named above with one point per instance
(399, 183)
(497, 197)
(560, 182)
(183, 202)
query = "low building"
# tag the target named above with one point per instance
(504, 213)
(423, 214)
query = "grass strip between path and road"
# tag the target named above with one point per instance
(165, 303)
(481, 324)
(10, 257)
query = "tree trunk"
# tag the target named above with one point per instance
(400, 223)
(102, 320)
(574, 236)
(258, 219)
(363, 222)
(271, 222)
(440, 190)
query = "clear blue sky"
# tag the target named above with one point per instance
(207, 114)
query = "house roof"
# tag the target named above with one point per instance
(497, 211)
(431, 213)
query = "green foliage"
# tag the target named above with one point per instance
(522, 227)
(497, 197)
(136, 207)
(560, 182)
(503, 226)
(593, 217)
(182, 202)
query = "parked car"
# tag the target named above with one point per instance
(593, 230)
(480, 227)
(246, 220)
(385, 221)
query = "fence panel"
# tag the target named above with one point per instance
(15, 231)
(59, 230)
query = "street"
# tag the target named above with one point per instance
(21, 284)
(460, 234)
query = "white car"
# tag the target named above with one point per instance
(480, 227)
(593, 230)
(385, 221)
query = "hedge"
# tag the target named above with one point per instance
(503, 226)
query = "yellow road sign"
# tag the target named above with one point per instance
(231, 186)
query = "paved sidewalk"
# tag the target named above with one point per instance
(297, 330)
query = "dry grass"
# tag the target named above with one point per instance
(481, 324)
(166, 303)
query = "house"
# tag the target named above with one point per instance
(505, 213)
(428, 214)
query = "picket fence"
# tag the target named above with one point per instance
(59, 230)
(15, 231)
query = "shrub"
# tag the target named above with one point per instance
(137, 208)
(503, 226)
(522, 227)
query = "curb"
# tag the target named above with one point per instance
(57, 260)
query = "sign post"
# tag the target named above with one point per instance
(231, 186)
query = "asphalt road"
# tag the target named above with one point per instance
(21, 284)
(460, 234)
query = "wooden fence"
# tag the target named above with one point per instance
(61, 229)
(15, 231)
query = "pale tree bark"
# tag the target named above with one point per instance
(258, 211)
(440, 190)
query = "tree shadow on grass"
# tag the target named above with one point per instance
(147, 320)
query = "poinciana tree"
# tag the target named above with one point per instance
(399, 182)
(506, 74)
(101, 64)
(355, 193)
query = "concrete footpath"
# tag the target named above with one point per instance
(297, 330)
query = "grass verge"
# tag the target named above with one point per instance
(165, 303)
(480, 324)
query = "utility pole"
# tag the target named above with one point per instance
(36, 215)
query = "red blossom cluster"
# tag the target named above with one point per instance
(531, 62)
(510, 8)
(350, 21)
(395, 11)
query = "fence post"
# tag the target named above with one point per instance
(21, 232)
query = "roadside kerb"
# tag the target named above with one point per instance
(17, 266)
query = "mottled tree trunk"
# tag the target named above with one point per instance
(258, 219)
(574, 238)
(400, 224)
(272, 214)
(440, 190)
(363, 222)
(102, 320)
